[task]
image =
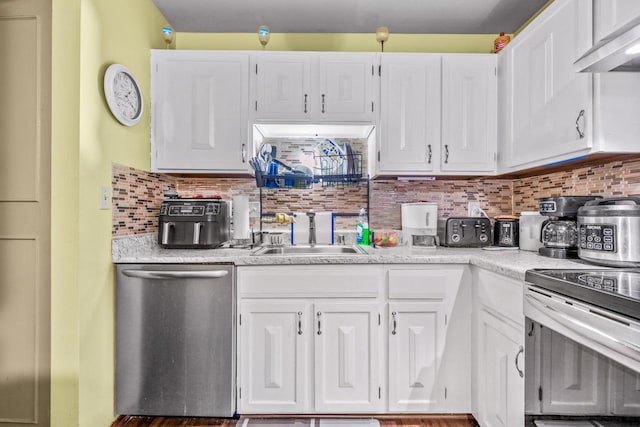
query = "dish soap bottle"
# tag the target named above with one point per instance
(362, 228)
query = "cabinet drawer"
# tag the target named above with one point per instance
(500, 295)
(299, 281)
(424, 283)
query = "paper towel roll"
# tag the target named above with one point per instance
(241, 226)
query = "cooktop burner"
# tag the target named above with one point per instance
(617, 290)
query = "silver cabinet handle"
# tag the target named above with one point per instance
(323, 103)
(165, 232)
(299, 323)
(244, 153)
(580, 116)
(171, 274)
(319, 325)
(196, 232)
(429, 154)
(305, 103)
(395, 323)
(446, 153)
(521, 351)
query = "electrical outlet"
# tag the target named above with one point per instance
(105, 198)
(254, 209)
(473, 209)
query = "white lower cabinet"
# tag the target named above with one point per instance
(501, 373)
(416, 343)
(274, 364)
(346, 357)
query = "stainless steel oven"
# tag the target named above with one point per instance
(582, 347)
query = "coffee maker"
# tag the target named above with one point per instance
(559, 233)
(420, 224)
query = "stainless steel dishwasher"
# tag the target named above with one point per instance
(175, 340)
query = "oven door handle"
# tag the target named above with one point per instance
(584, 329)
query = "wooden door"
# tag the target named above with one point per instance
(25, 193)
(346, 357)
(283, 87)
(273, 357)
(572, 377)
(416, 344)
(501, 353)
(548, 95)
(469, 109)
(410, 113)
(200, 111)
(346, 87)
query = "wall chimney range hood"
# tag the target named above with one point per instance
(619, 51)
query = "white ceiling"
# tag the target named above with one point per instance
(349, 16)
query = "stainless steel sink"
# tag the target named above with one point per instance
(304, 250)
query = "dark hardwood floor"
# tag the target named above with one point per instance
(385, 421)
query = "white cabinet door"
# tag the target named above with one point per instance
(501, 403)
(345, 87)
(552, 104)
(469, 113)
(273, 357)
(199, 111)
(416, 344)
(609, 15)
(410, 113)
(577, 390)
(283, 86)
(346, 357)
(626, 391)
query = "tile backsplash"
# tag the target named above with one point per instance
(137, 194)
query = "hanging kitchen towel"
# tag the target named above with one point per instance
(324, 228)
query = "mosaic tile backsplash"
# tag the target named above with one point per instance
(137, 194)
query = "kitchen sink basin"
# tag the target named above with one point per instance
(310, 250)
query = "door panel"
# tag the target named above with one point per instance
(346, 87)
(25, 165)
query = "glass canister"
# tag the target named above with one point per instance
(530, 226)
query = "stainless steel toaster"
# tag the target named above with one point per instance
(193, 223)
(464, 232)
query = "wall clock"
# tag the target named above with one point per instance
(123, 94)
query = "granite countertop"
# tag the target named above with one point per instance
(512, 263)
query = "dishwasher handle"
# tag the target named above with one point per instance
(172, 274)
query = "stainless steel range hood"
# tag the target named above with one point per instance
(619, 51)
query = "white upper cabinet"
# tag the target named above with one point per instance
(199, 111)
(551, 103)
(610, 15)
(314, 87)
(410, 118)
(438, 114)
(469, 113)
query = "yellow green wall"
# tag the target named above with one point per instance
(452, 43)
(89, 35)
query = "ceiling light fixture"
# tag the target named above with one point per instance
(382, 35)
(633, 50)
(263, 35)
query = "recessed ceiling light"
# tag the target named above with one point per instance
(633, 50)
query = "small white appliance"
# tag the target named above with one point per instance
(420, 224)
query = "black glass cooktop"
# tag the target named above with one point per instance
(617, 290)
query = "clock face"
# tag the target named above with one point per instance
(123, 95)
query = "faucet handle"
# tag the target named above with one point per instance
(311, 213)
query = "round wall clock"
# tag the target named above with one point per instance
(123, 94)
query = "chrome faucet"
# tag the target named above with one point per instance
(312, 227)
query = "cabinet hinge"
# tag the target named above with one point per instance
(379, 393)
(540, 393)
(373, 73)
(445, 393)
(156, 68)
(379, 319)
(240, 317)
(240, 393)
(372, 106)
(256, 105)
(495, 156)
(445, 319)
(379, 70)
(495, 71)
(256, 68)
(378, 155)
